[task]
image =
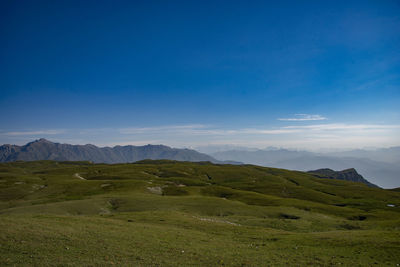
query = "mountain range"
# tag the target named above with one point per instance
(43, 149)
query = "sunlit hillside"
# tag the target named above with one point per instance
(153, 213)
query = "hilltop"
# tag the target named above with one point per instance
(347, 175)
(162, 212)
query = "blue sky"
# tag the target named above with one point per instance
(296, 74)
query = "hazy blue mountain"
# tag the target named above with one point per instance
(389, 155)
(347, 175)
(262, 157)
(209, 149)
(43, 149)
(384, 174)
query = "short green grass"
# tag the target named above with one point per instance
(166, 213)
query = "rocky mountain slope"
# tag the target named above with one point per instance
(347, 175)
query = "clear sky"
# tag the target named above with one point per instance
(296, 74)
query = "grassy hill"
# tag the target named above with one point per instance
(163, 213)
(378, 168)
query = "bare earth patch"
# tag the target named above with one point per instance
(78, 176)
(155, 190)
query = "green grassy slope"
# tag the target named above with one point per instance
(180, 213)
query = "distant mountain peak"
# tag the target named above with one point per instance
(41, 140)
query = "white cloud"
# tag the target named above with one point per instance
(165, 128)
(198, 129)
(343, 127)
(34, 133)
(312, 136)
(302, 136)
(304, 117)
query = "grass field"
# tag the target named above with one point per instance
(165, 213)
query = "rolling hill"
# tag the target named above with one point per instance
(170, 213)
(383, 174)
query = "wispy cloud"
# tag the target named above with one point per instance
(304, 117)
(33, 133)
(317, 135)
(204, 130)
(165, 128)
(343, 127)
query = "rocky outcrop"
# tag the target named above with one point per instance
(347, 175)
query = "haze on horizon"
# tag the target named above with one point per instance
(312, 76)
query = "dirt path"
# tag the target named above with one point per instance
(78, 176)
(215, 221)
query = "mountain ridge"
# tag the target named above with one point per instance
(43, 149)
